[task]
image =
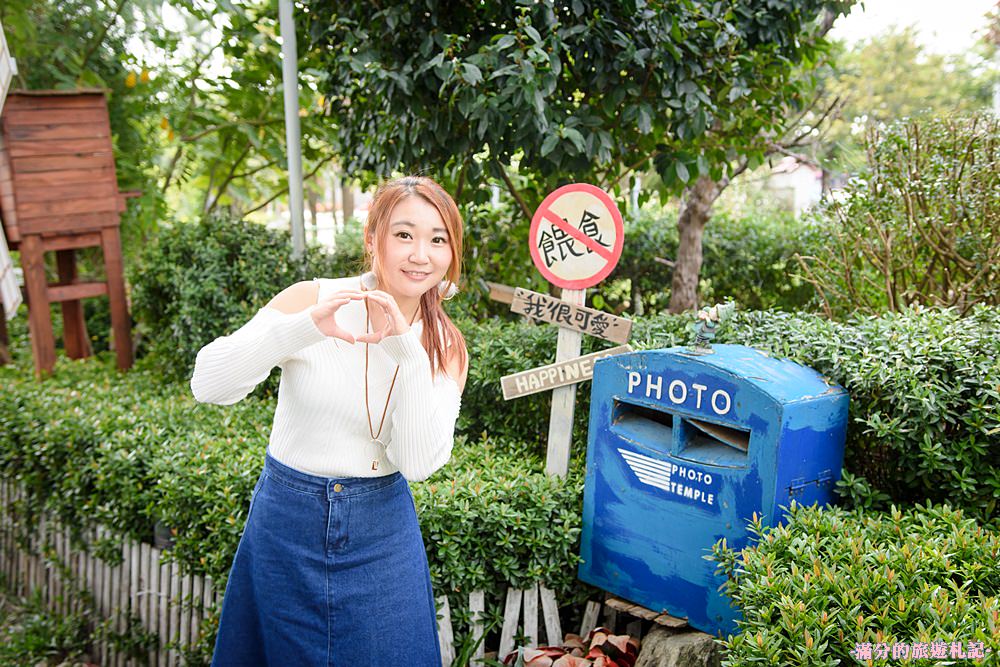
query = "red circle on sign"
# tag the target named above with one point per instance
(613, 255)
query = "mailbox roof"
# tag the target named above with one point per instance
(784, 380)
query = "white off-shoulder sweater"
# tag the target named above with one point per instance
(320, 424)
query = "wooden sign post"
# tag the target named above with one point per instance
(576, 238)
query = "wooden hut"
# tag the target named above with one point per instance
(59, 192)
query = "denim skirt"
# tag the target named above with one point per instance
(329, 572)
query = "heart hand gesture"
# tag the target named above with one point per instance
(324, 312)
(395, 322)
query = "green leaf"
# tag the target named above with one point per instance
(682, 171)
(549, 144)
(575, 137)
(471, 74)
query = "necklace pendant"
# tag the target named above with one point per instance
(374, 464)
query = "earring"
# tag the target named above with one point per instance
(447, 289)
(368, 280)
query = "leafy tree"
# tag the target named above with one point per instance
(582, 90)
(199, 131)
(892, 76)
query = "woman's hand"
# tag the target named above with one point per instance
(323, 314)
(395, 323)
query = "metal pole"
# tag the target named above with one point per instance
(293, 136)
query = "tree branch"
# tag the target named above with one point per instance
(513, 190)
(284, 190)
(229, 177)
(100, 38)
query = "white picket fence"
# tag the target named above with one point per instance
(173, 606)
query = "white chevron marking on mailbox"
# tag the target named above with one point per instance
(654, 472)
(648, 470)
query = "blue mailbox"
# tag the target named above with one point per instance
(683, 449)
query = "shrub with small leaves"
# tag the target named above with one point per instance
(828, 580)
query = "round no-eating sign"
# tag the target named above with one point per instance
(576, 236)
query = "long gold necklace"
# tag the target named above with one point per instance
(380, 446)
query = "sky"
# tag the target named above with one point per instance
(944, 26)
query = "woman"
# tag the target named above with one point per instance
(331, 567)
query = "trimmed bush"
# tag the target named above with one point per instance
(491, 517)
(925, 395)
(814, 589)
(924, 387)
(199, 281)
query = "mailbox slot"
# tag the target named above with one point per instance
(713, 444)
(642, 424)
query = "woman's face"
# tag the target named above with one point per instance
(417, 250)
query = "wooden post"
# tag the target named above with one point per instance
(446, 637)
(511, 613)
(531, 615)
(590, 618)
(477, 605)
(563, 398)
(550, 614)
(43, 342)
(121, 322)
(75, 338)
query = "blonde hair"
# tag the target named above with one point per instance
(439, 332)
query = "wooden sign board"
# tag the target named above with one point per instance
(579, 318)
(555, 375)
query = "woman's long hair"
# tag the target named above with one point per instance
(439, 331)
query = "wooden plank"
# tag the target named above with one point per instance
(50, 131)
(57, 243)
(163, 615)
(446, 639)
(96, 160)
(102, 189)
(184, 635)
(55, 99)
(70, 224)
(133, 577)
(610, 620)
(14, 118)
(477, 608)
(573, 316)
(197, 610)
(500, 292)
(58, 147)
(531, 615)
(26, 211)
(144, 592)
(121, 600)
(121, 321)
(564, 397)
(47, 179)
(589, 618)
(174, 614)
(76, 291)
(159, 603)
(511, 614)
(555, 375)
(661, 618)
(550, 615)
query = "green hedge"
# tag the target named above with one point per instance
(813, 589)
(925, 396)
(491, 518)
(924, 387)
(198, 281)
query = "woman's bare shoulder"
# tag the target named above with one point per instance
(297, 297)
